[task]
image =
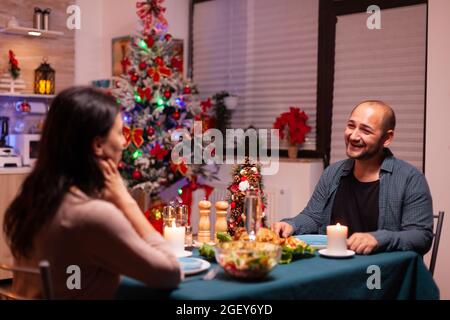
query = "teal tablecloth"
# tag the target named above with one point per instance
(403, 276)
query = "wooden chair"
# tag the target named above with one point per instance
(437, 237)
(43, 272)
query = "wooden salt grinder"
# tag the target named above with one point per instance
(221, 218)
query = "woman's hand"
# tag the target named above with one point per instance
(115, 190)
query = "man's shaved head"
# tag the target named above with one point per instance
(388, 122)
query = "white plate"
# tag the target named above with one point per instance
(183, 254)
(204, 265)
(325, 253)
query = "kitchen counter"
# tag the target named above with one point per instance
(19, 170)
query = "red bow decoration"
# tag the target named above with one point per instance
(158, 70)
(181, 167)
(158, 152)
(145, 93)
(133, 135)
(147, 10)
(186, 195)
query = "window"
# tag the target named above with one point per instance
(265, 51)
(387, 64)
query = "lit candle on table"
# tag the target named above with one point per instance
(337, 239)
(175, 237)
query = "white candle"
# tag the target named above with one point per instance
(175, 237)
(337, 239)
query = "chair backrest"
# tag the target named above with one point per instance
(43, 272)
(437, 237)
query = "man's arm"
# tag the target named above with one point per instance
(416, 232)
(312, 218)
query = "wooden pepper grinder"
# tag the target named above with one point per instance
(204, 224)
(221, 218)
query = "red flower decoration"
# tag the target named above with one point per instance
(158, 152)
(206, 105)
(292, 125)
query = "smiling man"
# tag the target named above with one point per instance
(384, 201)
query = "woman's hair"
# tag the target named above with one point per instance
(66, 158)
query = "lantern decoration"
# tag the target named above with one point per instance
(44, 79)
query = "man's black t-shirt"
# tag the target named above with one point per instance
(356, 205)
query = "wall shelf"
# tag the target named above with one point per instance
(23, 31)
(26, 95)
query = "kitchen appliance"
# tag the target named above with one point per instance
(7, 156)
(27, 145)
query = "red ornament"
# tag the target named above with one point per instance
(136, 175)
(187, 90)
(176, 115)
(233, 205)
(23, 107)
(121, 165)
(142, 65)
(168, 37)
(150, 41)
(167, 94)
(159, 61)
(150, 131)
(134, 78)
(243, 179)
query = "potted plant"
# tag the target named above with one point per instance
(293, 128)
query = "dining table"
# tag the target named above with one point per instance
(381, 276)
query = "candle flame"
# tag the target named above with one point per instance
(338, 225)
(173, 224)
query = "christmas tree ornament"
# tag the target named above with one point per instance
(150, 131)
(137, 175)
(150, 42)
(187, 90)
(176, 115)
(121, 165)
(167, 94)
(142, 65)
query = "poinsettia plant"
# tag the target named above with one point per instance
(292, 126)
(13, 65)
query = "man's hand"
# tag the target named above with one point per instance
(362, 243)
(283, 229)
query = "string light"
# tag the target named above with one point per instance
(137, 98)
(142, 44)
(180, 191)
(137, 154)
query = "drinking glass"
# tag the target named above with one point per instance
(253, 213)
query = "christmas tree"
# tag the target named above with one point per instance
(246, 176)
(156, 101)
